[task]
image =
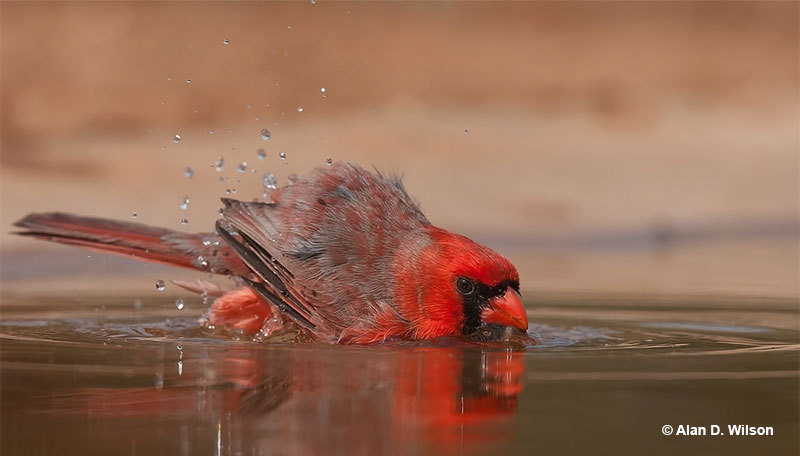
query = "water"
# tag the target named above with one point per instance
(84, 375)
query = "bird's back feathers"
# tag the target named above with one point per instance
(331, 241)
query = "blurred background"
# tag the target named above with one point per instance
(625, 147)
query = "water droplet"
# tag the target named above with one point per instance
(211, 132)
(220, 164)
(160, 285)
(242, 167)
(202, 262)
(185, 203)
(269, 181)
(261, 154)
(188, 80)
(163, 102)
(282, 155)
(206, 242)
(134, 215)
(289, 27)
(329, 161)
(265, 134)
(299, 109)
(137, 304)
(230, 191)
(179, 306)
(249, 105)
(176, 139)
(184, 221)
(226, 41)
(188, 172)
(313, 2)
(220, 212)
(169, 78)
(324, 92)
(180, 368)
(466, 131)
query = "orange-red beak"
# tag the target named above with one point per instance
(506, 310)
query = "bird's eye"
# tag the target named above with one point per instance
(465, 286)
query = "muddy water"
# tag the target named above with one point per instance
(113, 376)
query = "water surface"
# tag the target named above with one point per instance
(127, 376)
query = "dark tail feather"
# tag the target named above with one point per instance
(159, 245)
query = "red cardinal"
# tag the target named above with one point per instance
(346, 254)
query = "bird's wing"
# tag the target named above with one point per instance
(249, 230)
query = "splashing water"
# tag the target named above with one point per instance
(270, 182)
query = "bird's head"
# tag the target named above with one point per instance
(460, 285)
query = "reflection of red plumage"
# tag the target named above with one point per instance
(289, 401)
(464, 397)
(346, 254)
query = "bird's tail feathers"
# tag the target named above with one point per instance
(159, 245)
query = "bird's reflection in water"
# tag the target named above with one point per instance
(320, 400)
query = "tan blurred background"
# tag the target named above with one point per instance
(603, 147)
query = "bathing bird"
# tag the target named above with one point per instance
(344, 254)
